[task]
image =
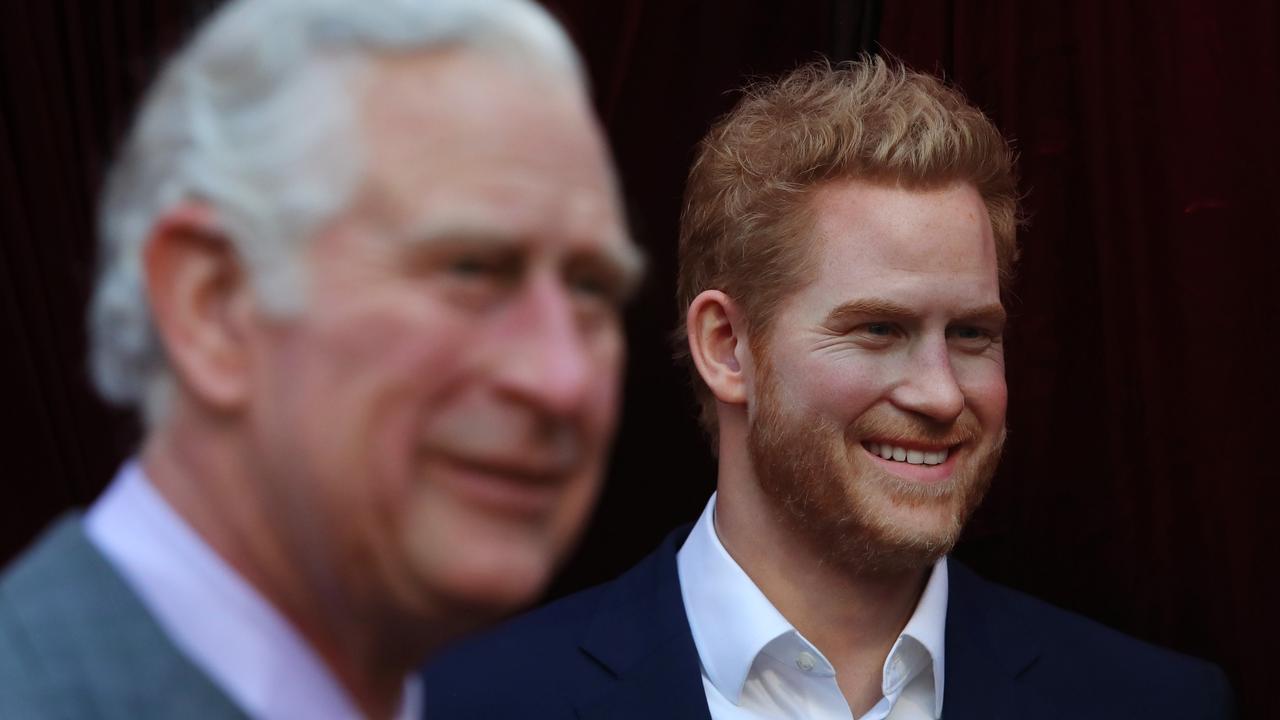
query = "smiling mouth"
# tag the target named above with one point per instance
(910, 456)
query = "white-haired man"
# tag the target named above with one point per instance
(361, 269)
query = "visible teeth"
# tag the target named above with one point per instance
(915, 457)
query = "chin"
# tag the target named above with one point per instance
(875, 532)
(918, 544)
(495, 581)
(927, 520)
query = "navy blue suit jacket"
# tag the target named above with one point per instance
(623, 651)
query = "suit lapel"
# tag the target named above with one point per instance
(640, 636)
(988, 649)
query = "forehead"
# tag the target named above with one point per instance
(882, 239)
(459, 137)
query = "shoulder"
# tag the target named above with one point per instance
(33, 592)
(529, 642)
(1081, 665)
(34, 587)
(531, 666)
(75, 641)
(552, 659)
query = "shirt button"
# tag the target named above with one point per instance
(805, 661)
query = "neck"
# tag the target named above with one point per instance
(198, 469)
(853, 617)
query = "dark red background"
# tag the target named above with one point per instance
(1139, 486)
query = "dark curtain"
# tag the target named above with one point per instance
(70, 75)
(661, 72)
(1137, 486)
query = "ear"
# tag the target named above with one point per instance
(718, 344)
(202, 303)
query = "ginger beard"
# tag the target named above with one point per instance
(829, 491)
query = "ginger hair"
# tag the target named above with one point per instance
(745, 226)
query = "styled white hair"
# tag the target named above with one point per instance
(257, 118)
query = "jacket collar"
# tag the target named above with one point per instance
(641, 636)
(734, 623)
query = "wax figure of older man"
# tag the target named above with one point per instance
(361, 267)
(845, 238)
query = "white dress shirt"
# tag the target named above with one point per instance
(756, 665)
(232, 633)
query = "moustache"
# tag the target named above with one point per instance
(884, 427)
(507, 435)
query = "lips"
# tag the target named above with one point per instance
(928, 463)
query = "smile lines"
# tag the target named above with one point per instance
(901, 454)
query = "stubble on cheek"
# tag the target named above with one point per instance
(828, 490)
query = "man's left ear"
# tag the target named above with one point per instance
(202, 304)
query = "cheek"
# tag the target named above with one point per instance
(841, 388)
(395, 350)
(986, 392)
(358, 385)
(605, 353)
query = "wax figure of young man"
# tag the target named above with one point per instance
(845, 238)
(361, 268)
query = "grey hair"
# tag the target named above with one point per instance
(256, 117)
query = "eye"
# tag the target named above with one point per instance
(468, 266)
(973, 337)
(478, 278)
(480, 265)
(592, 286)
(879, 329)
(876, 334)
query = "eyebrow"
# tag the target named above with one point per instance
(845, 313)
(630, 263)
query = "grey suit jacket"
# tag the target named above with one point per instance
(76, 642)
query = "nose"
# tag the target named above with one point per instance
(929, 386)
(541, 353)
